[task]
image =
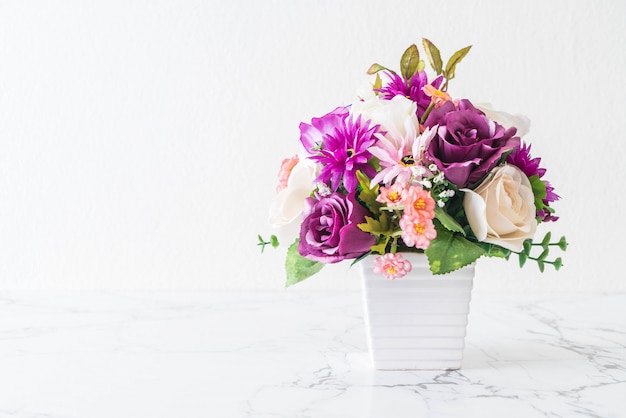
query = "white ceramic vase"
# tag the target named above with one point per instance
(417, 322)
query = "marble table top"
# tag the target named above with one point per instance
(299, 354)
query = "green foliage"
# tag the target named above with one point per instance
(539, 190)
(380, 226)
(455, 59)
(273, 242)
(542, 258)
(434, 56)
(297, 267)
(450, 251)
(366, 195)
(375, 68)
(447, 221)
(492, 250)
(410, 62)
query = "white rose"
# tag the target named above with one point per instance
(395, 116)
(521, 122)
(286, 210)
(501, 210)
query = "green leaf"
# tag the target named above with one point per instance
(377, 227)
(433, 54)
(374, 68)
(297, 267)
(522, 259)
(454, 60)
(420, 66)
(544, 254)
(274, 241)
(492, 250)
(528, 244)
(409, 62)
(539, 190)
(447, 221)
(367, 195)
(451, 251)
(546, 240)
(541, 265)
(558, 263)
(359, 258)
(563, 244)
(381, 247)
(378, 84)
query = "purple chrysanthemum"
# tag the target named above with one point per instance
(530, 166)
(344, 151)
(412, 89)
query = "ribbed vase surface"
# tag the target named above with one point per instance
(419, 321)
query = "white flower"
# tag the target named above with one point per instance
(397, 116)
(438, 178)
(501, 210)
(521, 122)
(286, 210)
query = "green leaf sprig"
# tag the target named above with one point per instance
(541, 259)
(273, 242)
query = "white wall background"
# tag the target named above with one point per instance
(140, 140)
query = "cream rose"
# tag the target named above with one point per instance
(520, 122)
(286, 210)
(501, 210)
(395, 116)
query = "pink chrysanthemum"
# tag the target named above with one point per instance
(394, 195)
(419, 202)
(393, 266)
(399, 159)
(417, 230)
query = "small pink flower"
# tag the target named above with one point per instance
(393, 266)
(417, 230)
(394, 195)
(419, 202)
(438, 97)
(285, 171)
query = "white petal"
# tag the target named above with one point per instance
(476, 212)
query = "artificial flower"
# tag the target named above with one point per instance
(312, 135)
(437, 97)
(411, 89)
(408, 168)
(285, 170)
(400, 158)
(501, 210)
(330, 232)
(286, 209)
(419, 202)
(393, 266)
(508, 120)
(342, 150)
(417, 230)
(392, 196)
(522, 159)
(468, 145)
(395, 116)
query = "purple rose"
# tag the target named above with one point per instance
(468, 145)
(329, 231)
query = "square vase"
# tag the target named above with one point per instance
(419, 321)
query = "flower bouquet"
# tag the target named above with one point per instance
(407, 167)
